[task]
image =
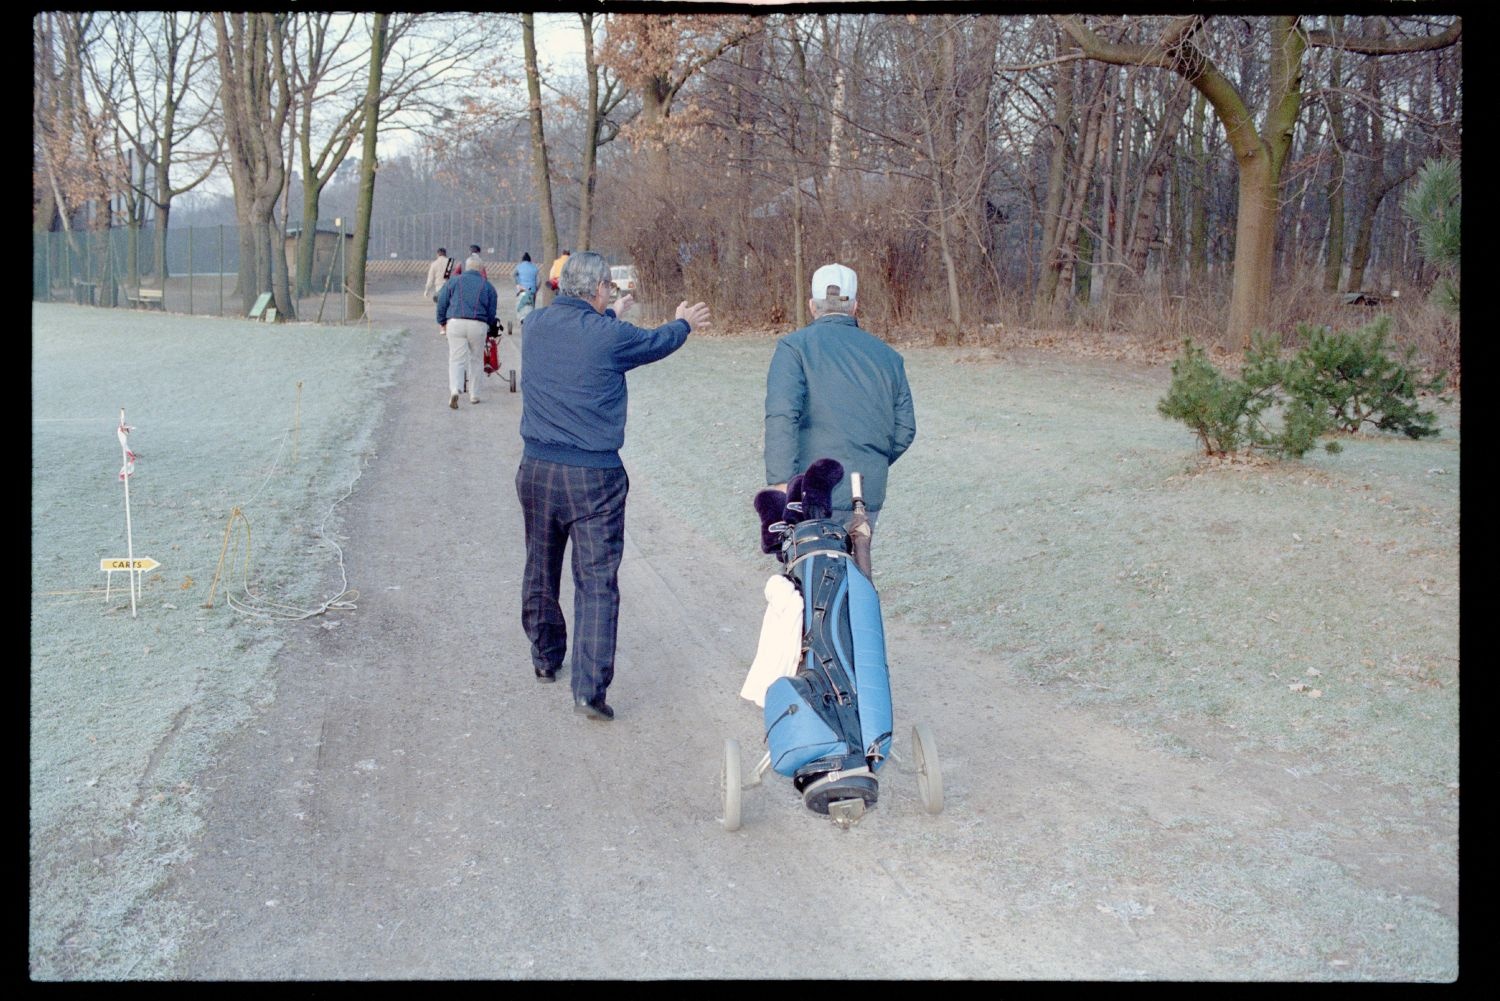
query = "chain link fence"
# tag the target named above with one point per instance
(123, 267)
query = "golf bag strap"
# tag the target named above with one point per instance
(817, 552)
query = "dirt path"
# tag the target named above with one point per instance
(414, 805)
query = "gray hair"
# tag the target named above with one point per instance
(474, 263)
(834, 304)
(582, 274)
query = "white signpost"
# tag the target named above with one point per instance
(131, 565)
(112, 566)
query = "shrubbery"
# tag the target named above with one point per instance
(1435, 203)
(1353, 378)
(1280, 406)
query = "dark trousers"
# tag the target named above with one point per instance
(585, 505)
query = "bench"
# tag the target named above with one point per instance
(83, 292)
(147, 298)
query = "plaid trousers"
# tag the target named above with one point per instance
(587, 506)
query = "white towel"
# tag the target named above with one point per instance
(780, 640)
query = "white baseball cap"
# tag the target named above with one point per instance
(845, 283)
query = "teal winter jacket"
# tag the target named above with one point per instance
(836, 391)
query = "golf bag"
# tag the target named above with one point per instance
(828, 727)
(492, 354)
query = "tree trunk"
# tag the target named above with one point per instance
(1062, 123)
(307, 240)
(1260, 186)
(1359, 257)
(1333, 253)
(159, 243)
(1254, 247)
(1143, 225)
(591, 135)
(541, 174)
(1100, 267)
(1380, 183)
(281, 288)
(941, 155)
(1074, 206)
(255, 100)
(837, 111)
(1198, 196)
(799, 267)
(360, 251)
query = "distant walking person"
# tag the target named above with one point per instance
(526, 282)
(555, 274)
(438, 272)
(836, 391)
(571, 482)
(475, 252)
(465, 312)
(526, 274)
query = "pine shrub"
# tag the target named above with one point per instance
(1352, 378)
(1248, 414)
(1210, 404)
(1281, 407)
(1435, 204)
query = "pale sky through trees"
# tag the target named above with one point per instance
(559, 49)
(559, 43)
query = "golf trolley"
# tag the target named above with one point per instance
(493, 363)
(828, 725)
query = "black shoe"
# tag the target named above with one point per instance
(595, 708)
(545, 677)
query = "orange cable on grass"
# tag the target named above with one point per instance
(233, 514)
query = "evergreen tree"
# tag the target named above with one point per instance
(1435, 205)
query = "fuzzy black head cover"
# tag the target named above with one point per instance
(817, 487)
(793, 513)
(770, 505)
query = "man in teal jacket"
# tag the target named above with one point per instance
(836, 391)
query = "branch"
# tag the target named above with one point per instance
(1386, 46)
(1189, 63)
(1071, 57)
(1094, 46)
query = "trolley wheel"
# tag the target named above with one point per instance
(512, 380)
(929, 772)
(729, 778)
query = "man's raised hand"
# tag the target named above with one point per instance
(696, 316)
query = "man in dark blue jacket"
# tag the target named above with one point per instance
(465, 313)
(571, 483)
(835, 391)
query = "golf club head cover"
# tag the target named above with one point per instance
(770, 505)
(817, 487)
(793, 513)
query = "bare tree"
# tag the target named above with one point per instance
(324, 70)
(605, 95)
(371, 123)
(70, 162)
(414, 59)
(541, 171)
(657, 54)
(169, 117)
(256, 96)
(1260, 150)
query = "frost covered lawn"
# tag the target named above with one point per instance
(125, 712)
(1046, 511)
